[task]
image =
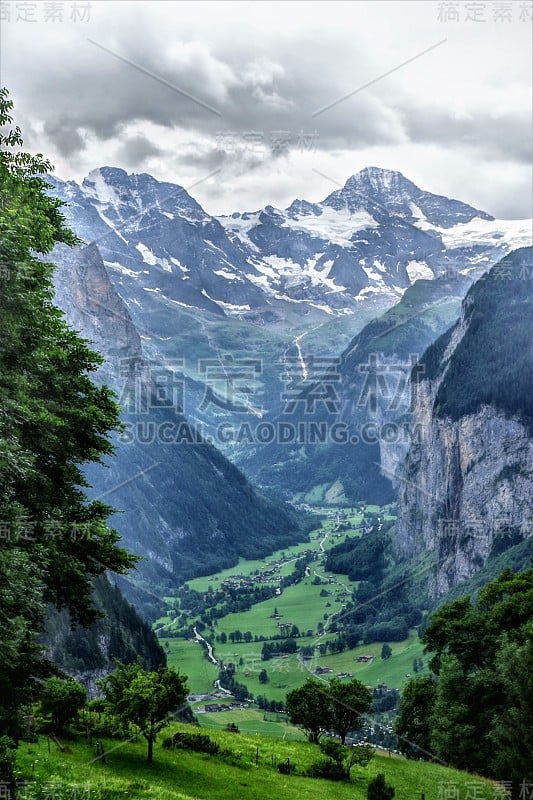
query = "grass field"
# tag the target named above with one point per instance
(253, 721)
(300, 604)
(182, 775)
(325, 537)
(248, 567)
(188, 657)
(288, 673)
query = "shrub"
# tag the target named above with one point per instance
(232, 728)
(61, 700)
(7, 762)
(379, 789)
(286, 768)
(199, 742)
(328, 769)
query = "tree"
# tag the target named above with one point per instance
(512, 735)
(386, 651)
(413, 726)
(379, 789)
(62, 699)
(223, 638)
(263, 676)
(54, 420)
(472, 632)
(349, 703)
(146, 699)
(309, 707)
(475, 711)
(455, 735)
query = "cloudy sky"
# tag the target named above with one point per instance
(258, 103)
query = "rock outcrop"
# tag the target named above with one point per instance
(467, 482)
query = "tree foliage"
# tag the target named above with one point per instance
(53, 421)
(334, 706)
(475, 711)
(349, 703)
(498, 310)
(413, 722)
(309, 707)
(61, 700)
(148, 700)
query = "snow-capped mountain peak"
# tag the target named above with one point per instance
(381, 182)
(135, 193)
(365, 243)
(391, 192)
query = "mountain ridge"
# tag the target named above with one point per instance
(363, 244)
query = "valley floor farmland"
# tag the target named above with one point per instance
(309, 604)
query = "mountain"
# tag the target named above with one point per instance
(364, 244)
(402, 198)
(232, 305)
(362, 401)
(466, 488)
(89, 653)
(369, 239)
(183, 507)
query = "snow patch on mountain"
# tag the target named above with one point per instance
(97, 187)
(337, 227)
(118, 267)
(240, 227)
(515, 233)
(224, 273)
(418, 269)
(147, 255)
(178, 264)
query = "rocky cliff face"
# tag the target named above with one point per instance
(92, 306)
(89, 653)
(467, 482)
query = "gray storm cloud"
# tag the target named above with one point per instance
(125, 79)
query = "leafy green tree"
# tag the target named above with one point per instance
(349, 703)
(61, 700)
(148, 700)
(263, 676)
(309, 707)
(472, 631)
(453, 730)
(412, 725)
(512, 732)
(53, 421)
(475, 711)
(386, 651)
